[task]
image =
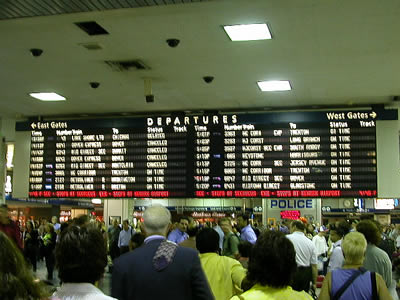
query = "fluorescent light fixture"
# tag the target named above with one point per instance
(47, 96)
(249, 32)
(274, 85)
(96, 201)
(10, 156)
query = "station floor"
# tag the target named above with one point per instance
(104, 284)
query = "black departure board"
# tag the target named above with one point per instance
(314, 154)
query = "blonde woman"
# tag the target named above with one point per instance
(353, 281)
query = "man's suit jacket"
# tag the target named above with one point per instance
(134, 277)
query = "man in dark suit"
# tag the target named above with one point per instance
(159, 269)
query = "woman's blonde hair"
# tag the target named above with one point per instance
(353, 246)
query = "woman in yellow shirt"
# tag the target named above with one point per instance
(224, 274)
(271, 267)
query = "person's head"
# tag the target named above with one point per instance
(272, 251)
(354, 245)
(115, 222)
(245, 248)
(136, 241)
(4, 214)
(310, 228)
(297, 226)
(378, 225)
(226, 225)
(370, 231)
(183, 223)
(156, 220)
(338, 230)
(16, 280)
(243, 220)
(63, 226)
(207, 240)
(54, 219)
(125, 225)
(49, 228)
(192, 228)
(81, 254)
(29, 226)
(321, 231)
(396, 266)
(82, 220)
(354, 223)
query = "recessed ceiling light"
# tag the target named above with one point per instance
(274, 85)
(48, 96)
(249, 32)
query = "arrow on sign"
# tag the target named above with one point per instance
(33, 125)
(373, 115)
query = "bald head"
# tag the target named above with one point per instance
(156, 220)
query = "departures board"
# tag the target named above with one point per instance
(307, 154)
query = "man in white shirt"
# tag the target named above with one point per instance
(319, 242)
(321, 247)
(306, 257)
(125, 236)
(337, 232)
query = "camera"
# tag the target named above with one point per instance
(208, 79)
(94, 85)
(36, 52)
(149, 98)
(173, 42)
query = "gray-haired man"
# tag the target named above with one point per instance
(159, 268)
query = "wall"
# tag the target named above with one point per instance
(2, 168)
(21, 164)
(116, 207)
(124, 207)
(388, 160)
(273, 208)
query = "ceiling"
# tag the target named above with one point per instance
(334, 53)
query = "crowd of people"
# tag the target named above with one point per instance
(231, 259)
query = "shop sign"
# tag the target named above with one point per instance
(290, 214)
(207, 215)
(352, 210)
(196, 208)
(65, 213)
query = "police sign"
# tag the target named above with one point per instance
(295, 203)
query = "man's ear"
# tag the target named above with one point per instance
(169, 227)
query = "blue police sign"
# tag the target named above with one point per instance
(297, 203)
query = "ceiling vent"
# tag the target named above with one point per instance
(91, 28)
(91, 46)
(127, 65)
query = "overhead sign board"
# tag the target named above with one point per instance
(274, 155)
